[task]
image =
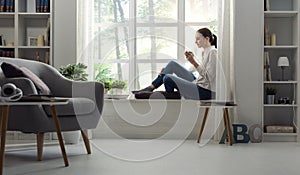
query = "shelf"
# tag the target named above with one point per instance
(34, 15)
(7, 47)
(279, 134)
(34, 47)
(280, 14)
(280, 82)
(280, 105)
(7, 15)
(281, 47)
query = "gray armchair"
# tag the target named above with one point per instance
(83, 112)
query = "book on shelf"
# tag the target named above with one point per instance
(7, 5)
(47, 33)
(46, 6)
(2, 5)
(2, 40)
(38, 5)
(266, 35)
(7, 53)
(42, 6)
(267, 69)
(267, 5)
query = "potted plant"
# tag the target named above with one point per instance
(103, 75)
(75, 72)
(271, 92)
(107, 86)
(118, 86)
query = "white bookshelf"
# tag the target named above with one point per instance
(281, 19)
(24, 23)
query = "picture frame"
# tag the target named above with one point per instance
(32, 41)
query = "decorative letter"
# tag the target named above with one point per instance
(243, 133)
(251, 133)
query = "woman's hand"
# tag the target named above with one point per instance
(190, 57)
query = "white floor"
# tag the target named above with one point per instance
(188, 158)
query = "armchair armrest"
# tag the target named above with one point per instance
(25, 84)
(91, 90)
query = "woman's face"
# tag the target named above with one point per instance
(201, 41)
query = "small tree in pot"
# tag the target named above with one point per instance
(103, 74)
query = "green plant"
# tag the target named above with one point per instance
(74, 72)
(120, 84)
(271, 91)
(107, 85)
(103, 74)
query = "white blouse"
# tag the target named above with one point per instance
(207, 69)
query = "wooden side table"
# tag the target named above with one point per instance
(207, 104)
(4, 119)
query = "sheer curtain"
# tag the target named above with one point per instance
(225, 67)
(86, 42)
(225, 83)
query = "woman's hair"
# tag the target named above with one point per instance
(207, 33)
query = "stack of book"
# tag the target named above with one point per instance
(7, 53)
(42, 6)
(7, 5)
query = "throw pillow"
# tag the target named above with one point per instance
(11, 70)
(158, 95)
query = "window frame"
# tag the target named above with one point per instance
(133, 25)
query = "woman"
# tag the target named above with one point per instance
(190, 87)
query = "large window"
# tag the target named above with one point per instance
(136, 38)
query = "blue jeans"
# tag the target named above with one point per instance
(182, 82)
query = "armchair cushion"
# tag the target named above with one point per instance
(11, 70)
(76, 106)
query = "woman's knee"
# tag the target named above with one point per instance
(167, 78)
(172, 64)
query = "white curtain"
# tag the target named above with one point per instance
(225, 83)
(225, 67)
(86, 43)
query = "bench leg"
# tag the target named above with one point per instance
(227, 124)
(203, 124)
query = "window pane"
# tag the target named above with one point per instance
(116, 71)
(105, 72)
(160, 41)
(106, 11)
(201, 10)
(147, 72)
(113, 43)
(156, 10)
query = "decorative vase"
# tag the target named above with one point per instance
(270, 99)
(71, 137)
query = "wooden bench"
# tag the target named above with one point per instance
(207, 104)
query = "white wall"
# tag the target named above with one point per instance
(248, 56)
(64, 32)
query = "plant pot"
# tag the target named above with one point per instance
(117, 91)
(105, 90)
(71, 137)
(270, 99)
